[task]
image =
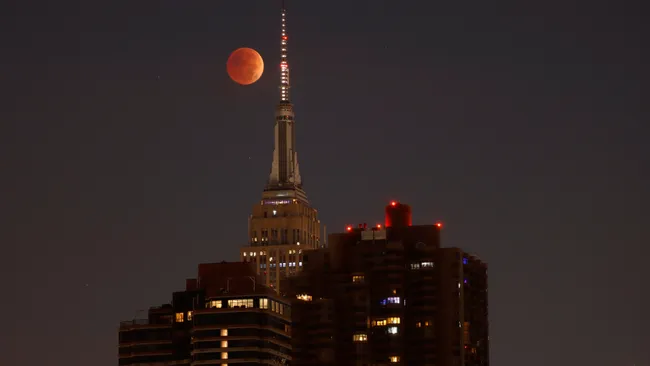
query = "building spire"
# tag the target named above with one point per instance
(284, 63)
(285, 171)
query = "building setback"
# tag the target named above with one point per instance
(390, 295)
(224, 316)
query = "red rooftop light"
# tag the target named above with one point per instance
(393, 203)
(439, 224)
(378, 226)
(348, 228)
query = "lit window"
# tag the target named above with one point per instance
(418, 324)
(360, 337)
(264, 303)
(224, 332)
(393, 300)
(427, 264)
(379, 323)
(392, 330)
(358, 279)
(393, 359)
(275, 212)
(245, 254)
(247, 303)
(224, 355)
(393, 320)
(180, 318)
(415, 265)
(300, 264)
(224, 344)
(214, 304)
(464, 260)
(304, 297)
(189, 315)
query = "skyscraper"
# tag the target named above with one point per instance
(388, 294)
(223, 317)
(283, 223)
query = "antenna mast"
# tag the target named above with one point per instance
(284, 63)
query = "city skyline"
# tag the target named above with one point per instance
(130, 151)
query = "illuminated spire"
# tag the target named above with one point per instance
(285, 171)
(284, 63)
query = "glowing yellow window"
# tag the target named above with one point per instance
(264, 303)
(393, 359)
(393, 320)
(379, 323)
(224, 332)
(360, 337)
(358, 279)
(180, 318)
(245, 303)
(214, 304)
(189, 315)
(304, 297)
(224, 355)
(224, 344)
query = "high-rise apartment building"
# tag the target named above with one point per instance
(388, 294)
(283, 223)
(224, 317)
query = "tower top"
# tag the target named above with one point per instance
(284, 63)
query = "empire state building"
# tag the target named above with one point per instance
(283, 224)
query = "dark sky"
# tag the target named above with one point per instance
(128, 156)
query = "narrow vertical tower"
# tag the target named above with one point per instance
(285, 172)
(284, 62)
(283, 224)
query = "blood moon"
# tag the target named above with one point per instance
(245, 66)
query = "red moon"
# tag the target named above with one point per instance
(245, 66)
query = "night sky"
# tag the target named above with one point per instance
(128, 156)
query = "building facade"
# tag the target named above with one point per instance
(388, 294)
(224, 316)
(283, 223)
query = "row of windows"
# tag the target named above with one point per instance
(263, 303)
(391, 300)
(263, 253)
(383, 322)
(422, 265)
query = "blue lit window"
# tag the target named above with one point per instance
(464, 260)
(390, 300)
